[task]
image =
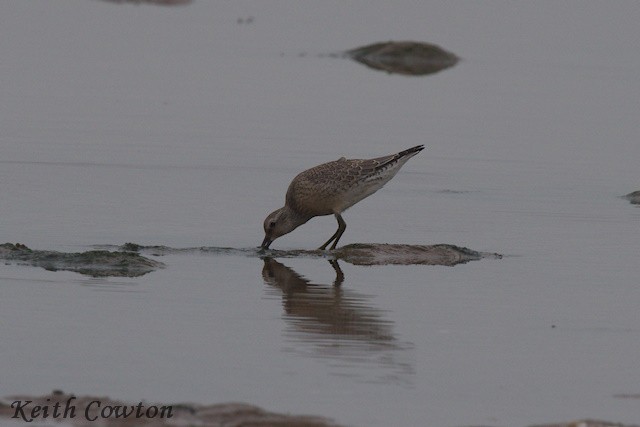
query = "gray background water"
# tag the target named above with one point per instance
(183, 127)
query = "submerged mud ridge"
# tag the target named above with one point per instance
(356, 253)
(97, 263)
(404, 57)
(81, 411)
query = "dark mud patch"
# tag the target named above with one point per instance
(356, 254)
(97, 263)
(404, 57)
(89, 411)
(634, 197)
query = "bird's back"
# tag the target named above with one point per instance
(335, 186)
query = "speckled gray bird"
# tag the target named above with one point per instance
(332, 188)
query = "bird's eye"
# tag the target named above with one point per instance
(272, 224)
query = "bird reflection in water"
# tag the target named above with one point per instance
(329, 322)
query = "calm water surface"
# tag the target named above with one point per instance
(183, 127)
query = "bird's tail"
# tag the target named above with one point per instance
(412, 150)
(402, 156)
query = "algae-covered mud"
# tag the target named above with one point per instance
(97, 263)
(634, 197)
(355, 253)
(404, 57)
(99, 410)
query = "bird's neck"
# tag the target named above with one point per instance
(296, 218)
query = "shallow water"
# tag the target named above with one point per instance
(183, 127)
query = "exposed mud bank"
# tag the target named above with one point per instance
(398, 254)
(404, 57)
(99, 263)
(127, 260)
(356, 253)
(391, 254)
(86, 411)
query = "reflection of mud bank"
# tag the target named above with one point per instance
(634, 197)
(151, 415)
(408, 58)
(91, 263)
(356, 253)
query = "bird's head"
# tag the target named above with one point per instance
(277, 223)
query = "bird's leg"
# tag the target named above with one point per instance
(341, 227)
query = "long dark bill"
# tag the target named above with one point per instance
(265, 243)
